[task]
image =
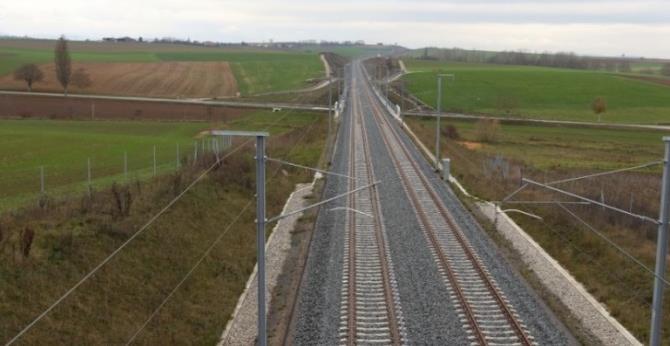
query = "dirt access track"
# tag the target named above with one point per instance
(40, 107)
(161, 79)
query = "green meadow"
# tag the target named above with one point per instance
(64, 147)
(537, 92)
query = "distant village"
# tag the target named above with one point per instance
(267, 44)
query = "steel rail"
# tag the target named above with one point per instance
(351, 287)
(518, 329)
(381, 245)
(360, 155)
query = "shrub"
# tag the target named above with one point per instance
(599, 106)
(27, 241)
(487, 130)
(451, 132)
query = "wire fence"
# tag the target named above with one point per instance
(21, 186)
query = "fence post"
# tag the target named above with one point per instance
(178, 163)
(88, 161)
(195, 152)
(661, 251)
(154, 160)
(125, 165)
(42, 187)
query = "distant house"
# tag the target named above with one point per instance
(118, 39)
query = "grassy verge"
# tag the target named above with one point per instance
(537, 92)
(73, 235)
(492, 169)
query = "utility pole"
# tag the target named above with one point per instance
(438, 116)
(387, 82)
(330, 103)
(437, 126)
(661, 251)
(402, 96)
(260, 237)
(339, 80)
(260, 224)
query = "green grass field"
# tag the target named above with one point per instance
(260, 72)
(565, 148)
(646, 66)
(256, 70)
(63, 148)
(536, 92)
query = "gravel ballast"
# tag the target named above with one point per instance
(429, 313)
(590, 314)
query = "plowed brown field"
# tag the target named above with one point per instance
(163, 79)
(68, 108)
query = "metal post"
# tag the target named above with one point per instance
(437, 126)
(260, 236)
(125, 164)
(339, 81)
(402, 97)
(154, 160)
(387, 83)
(195, 152)
(330, 103)
(42, 189)
(661, 251)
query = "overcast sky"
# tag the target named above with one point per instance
(603, 27)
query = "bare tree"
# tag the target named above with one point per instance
(29, 73)
(487, 130)
(599, 106)
(80, 79)
(63, 63)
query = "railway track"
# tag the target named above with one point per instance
(487, 316)
(370, 308)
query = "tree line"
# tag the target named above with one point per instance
(545, 59)
(30, 73)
